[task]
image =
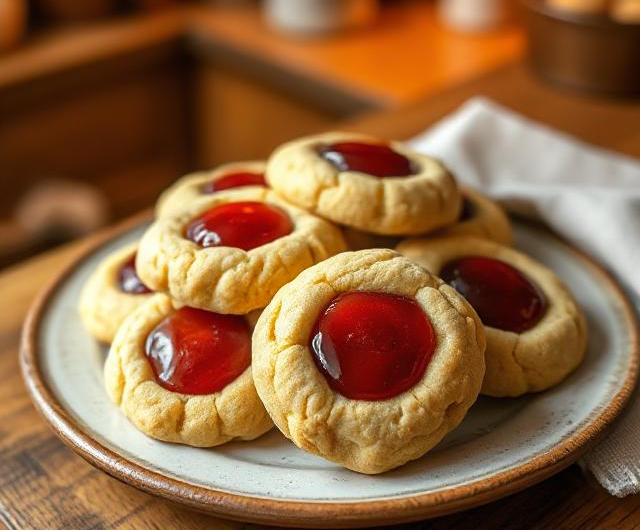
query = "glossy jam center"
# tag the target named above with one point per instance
(235, 180)
(244, 225)
(372, 346)
(128, 278)
(501, 295)
(198, 352)
(378, 160)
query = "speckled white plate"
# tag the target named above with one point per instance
(503, 445)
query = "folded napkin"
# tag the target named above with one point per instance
(588, 195)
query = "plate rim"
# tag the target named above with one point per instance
(311, 514)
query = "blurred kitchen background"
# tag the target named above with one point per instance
(103, 103)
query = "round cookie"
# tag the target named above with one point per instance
(480, 217)
(201, 420)
(536, 355)
(367, 435)
(111, 294)
(191, 187)
(229, 279)
(424, 199)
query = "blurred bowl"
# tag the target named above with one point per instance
(591, 53)
(316, 17)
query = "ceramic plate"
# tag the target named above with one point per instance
(503, 445)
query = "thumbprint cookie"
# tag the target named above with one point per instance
(111, 293)
(368, 360)
(365, 183)
(536, 332)
(183, 375)
(192, 187)
(479, 217)
(231, 251)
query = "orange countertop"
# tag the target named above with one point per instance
(406, 55)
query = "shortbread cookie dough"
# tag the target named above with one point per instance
(549, 335)
(229, 279)
(480, 217)
(111, 293)
(409, 194)
(201, 420)
(191, 187)
(385, 423)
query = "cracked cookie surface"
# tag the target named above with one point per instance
(517, 363)
(229, 279)
(103, 304)
(366, 436)
(414, 204)
(235, 412)
(191, 187)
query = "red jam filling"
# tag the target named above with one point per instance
(501, 295)
(198, 352)
(128, 278)
(372, 346)
(378, 160)
(244, 225)
(235, 180)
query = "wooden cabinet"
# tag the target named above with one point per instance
(122, 125)
(240, 119)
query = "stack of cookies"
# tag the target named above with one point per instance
(268, 293)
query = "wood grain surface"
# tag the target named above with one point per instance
(43, 485)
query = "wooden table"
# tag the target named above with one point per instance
(43, 485)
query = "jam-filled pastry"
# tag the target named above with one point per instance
(479, 217)
(184, 375)
(368, 360)
(112, 292)
(231, 251)
(536, 332)
(365, 183)
(225, 177)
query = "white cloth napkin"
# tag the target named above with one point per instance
(588, 195)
